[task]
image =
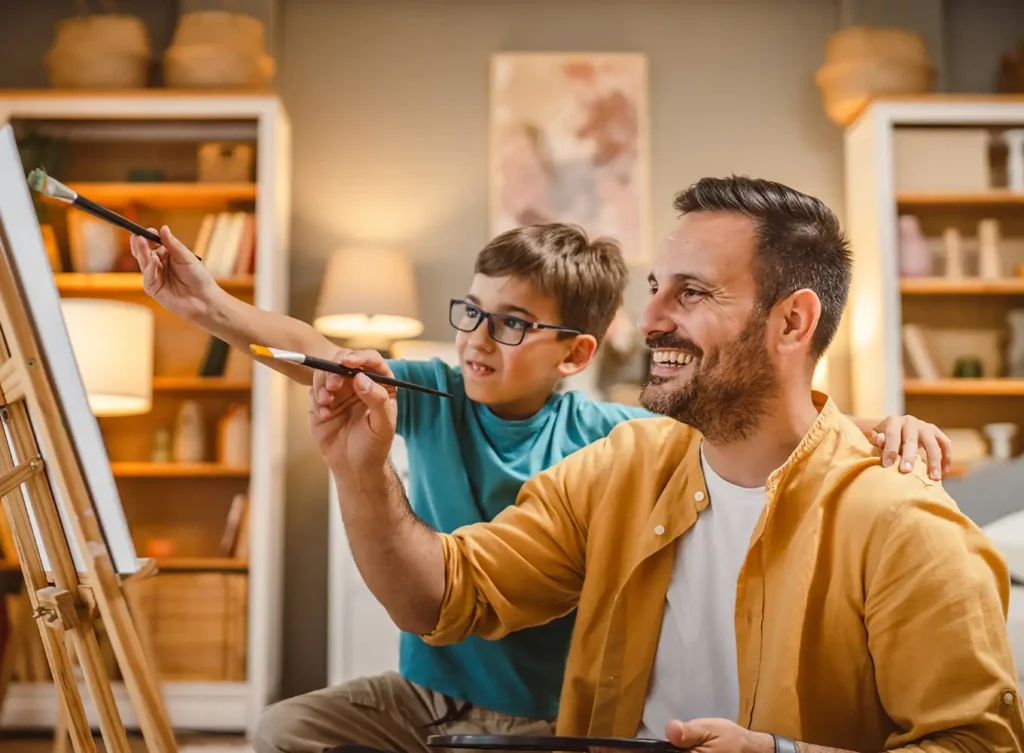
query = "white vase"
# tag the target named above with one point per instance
(189, 434)
(1001, 437)
(989, 266)
(234, 437)
(954, 253)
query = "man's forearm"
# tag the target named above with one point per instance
(240, 325)
(400, 558)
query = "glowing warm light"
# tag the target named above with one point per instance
(113, 345)
(369, 295)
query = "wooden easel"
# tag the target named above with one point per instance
(65, 602)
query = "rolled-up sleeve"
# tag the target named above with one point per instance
(525, 567)
(935, 613)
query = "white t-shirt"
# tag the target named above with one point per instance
(695, 673)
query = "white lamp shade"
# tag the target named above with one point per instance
(369, 295)
(113, 345)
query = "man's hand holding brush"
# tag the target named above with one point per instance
(353, 419)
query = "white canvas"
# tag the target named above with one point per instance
(24, 246)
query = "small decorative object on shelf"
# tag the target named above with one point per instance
(1014, 139)
(225, 162)
(1015, 350)
(968, 367)
(94, 244)
(954, 254)
(915, 256)
(161, 450)
(989, 264)
(189, 434)
(1001, 437)
(234, 437)
(160, 548)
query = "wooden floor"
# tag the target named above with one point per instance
(43, 744)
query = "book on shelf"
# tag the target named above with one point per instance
(916, 346)
(215, 360)
(226, 242)
(236, 522)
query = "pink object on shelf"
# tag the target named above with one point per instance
(915, 256)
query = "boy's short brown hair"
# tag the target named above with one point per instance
(585, 277)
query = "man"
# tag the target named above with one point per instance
(746, 572)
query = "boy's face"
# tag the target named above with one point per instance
(514, 381)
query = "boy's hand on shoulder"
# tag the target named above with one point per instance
(901, 437)
(353, 419)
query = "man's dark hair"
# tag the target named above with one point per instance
(800, 244)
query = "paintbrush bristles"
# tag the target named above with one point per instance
(42, 183)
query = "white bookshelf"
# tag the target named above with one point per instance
(882, 301)
(167, 116)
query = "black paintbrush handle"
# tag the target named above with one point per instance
(103, 213)
(337, 368)
(90, 206)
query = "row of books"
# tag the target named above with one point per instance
(227, 243)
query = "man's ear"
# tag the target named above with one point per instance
(580, 354)
(795, 322)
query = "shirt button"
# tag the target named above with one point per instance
(1008, 697)
(698, 496)
(659, 530)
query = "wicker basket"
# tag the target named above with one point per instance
(862, 63)
(107, 51)
(218, 49)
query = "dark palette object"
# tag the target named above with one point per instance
(549, 743)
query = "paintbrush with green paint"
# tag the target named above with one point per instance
(47, 185)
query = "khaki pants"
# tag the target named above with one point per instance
(386, 712)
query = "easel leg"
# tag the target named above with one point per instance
(108, 600)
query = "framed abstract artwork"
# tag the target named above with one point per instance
(569, 143)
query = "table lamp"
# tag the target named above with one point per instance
(113, 345)
(368, 298)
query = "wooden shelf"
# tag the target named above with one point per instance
(177, 470)
(995, 197)
(167, 195)
(200, 384)
(968, 286)
(977, 387)
(194, 564)
(130, 282)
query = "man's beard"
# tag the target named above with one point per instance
(728, 392)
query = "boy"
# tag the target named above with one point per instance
(540, 301)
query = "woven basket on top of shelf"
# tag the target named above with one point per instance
(863, 62)
(218, 49)
(104, 51)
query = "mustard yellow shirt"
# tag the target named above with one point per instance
(870, 613)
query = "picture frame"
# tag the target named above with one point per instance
(569, 142)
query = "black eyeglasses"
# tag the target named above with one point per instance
(504, 328)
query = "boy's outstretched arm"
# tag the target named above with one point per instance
(181, 283)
